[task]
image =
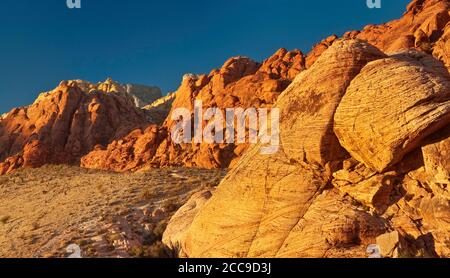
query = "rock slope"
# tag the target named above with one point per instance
(305, 202)
(364, 132)
(263, 208)
(109, 215)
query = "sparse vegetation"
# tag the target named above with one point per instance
(106, 214)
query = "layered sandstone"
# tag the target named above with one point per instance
(363, 157)
(391, 106)
(176, 232)
(272, 205)
(312, 198)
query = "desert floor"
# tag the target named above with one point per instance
(44, 210)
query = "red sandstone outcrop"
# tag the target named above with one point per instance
(63, 125)
(441, 49)
(318, 49)
(423, 27)
(363, 157)
(244, 83)
(240, 82)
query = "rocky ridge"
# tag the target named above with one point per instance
(65, 124)
(240, 82)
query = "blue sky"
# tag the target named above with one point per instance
(156, 42)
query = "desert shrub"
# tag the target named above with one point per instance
(137, 252)
(159, 230)
(155, 250)
(171, 207)
(158, 250)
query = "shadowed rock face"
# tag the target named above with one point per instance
(63, 125)
(158, 110)
(436, 155)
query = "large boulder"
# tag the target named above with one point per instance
(309, 104)
(391, 106)
(265, 206)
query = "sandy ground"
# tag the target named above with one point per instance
(42, 211)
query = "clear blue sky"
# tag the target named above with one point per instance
(156, 42)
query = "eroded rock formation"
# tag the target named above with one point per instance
(271, 205)
(363, 156)
(240, 82)
(63, 125)
(423, 27)
(318, 197)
